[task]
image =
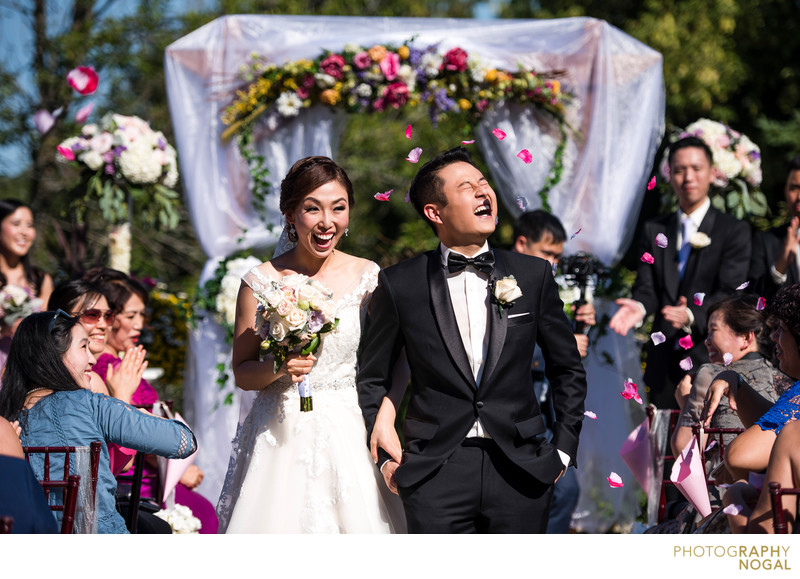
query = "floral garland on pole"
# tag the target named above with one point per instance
(380, 78)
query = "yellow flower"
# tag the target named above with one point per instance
(290, 84)
(377, 53)
(491, 75)
(403, 52)
(330, 96)
(464, 104)
(556, 85)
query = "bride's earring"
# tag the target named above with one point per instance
(291, 233)
(346, 231)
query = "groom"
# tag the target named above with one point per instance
(475, 459)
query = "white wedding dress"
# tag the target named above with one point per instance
(310, 472)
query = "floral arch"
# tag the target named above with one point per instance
(617, 111)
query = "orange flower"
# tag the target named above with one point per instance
(556, 86)
(491, 75)
(464, 104)
(330, 96)
(403, 52)
(377, 53)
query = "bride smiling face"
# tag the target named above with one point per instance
(321, 219)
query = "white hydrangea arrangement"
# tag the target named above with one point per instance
(181, 519)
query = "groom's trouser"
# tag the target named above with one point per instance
(477, 490)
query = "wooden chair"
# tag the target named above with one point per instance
(70, 483)
(717, 435)
(6, 525)
(776, 493)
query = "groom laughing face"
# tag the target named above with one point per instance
(469, 212)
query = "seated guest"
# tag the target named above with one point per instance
(21, 496)
(46, 388)
(774, 262)
(735, 328)
(128, 299)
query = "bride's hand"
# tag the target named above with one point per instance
(384, 434)
(298, 366)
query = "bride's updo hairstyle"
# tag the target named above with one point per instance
(309, 174)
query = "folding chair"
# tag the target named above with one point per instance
(776, 493)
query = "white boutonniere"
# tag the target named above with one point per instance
(699, 240)
(505, 291)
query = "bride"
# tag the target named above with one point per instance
(307, 472)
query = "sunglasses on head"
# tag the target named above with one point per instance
(58, 313)
(93, 315)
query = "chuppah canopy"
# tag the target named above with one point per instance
(616, 117)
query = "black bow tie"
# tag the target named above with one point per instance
(483, 262)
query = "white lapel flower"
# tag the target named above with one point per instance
(699, 240)
(505, 291)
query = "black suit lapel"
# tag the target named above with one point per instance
(669, 265)
(498, 324)
(446, 318)
(696, 255)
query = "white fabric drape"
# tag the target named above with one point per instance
(618, 116)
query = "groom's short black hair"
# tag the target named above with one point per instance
(427, 186)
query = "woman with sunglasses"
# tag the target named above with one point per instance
(46, 388)
(129, 298)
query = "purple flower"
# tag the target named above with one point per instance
(110, 169)
(263, 333)
(315, 321)
(162, 144)
(119, 149)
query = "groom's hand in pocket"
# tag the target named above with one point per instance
(387, 470)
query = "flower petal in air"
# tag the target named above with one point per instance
(499, 134)
(711, 445)
(383, 196)
(526, 156)
(413, 155)
(43, 121)
(83, 113)
(571, 237)
(468, 142)
(686, 364)
(743, 286)
(83, 79)
(409, 131)
(66, 152)
(762, 303)
(733, 509)
(698, 298)
(658, 338)
(727, 358)
(686, 342)
(651, 184)
(614, 480)
(522, 203)
(408, 197)
(647, 258)
(661, 240)
(631, 390)
(590, 414)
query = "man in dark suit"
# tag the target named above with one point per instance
(707, 252)
(774, 261)
(469, 317)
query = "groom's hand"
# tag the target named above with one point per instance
(388, 475)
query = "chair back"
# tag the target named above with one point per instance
(776, 493)
(6, 525)
(68, 483)
(666, 459)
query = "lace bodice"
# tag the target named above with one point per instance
(786, 409)
(335, 368)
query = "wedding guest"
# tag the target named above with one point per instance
(541, 234)
(128, 298)
(774, 261)
(15, 304)
(707, 252)
(46, 389)
(17, 234)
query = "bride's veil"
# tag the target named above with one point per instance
(284, 244)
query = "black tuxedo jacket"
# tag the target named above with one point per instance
(716, 270)
(411, 308)
(767, 247)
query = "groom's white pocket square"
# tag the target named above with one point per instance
(518, 315)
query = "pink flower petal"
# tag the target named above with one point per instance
(571, 237)
(526, 156)
(383, 196)
(409, 131)
(762, 303)
(499, 134)
(661, 240)
(413, 155)
(743, 286)
(631, 391)
(686, 364)
(408, 197)
(658, 338)
(590, 414)
(647, 258)
(66, 152)
(711, 445)
(43, 121)
(733, 509)
(83, 113)
(83, 79)
(468, 142)
(727, 358)
(614, 480)
(522, 203)
(686, 342)
(698, 298)
(651, 184)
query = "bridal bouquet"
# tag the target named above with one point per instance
(181, 519)
(294, 314)
(17, 303)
